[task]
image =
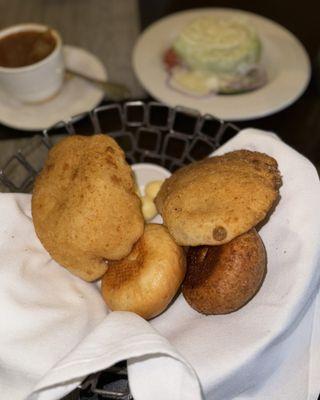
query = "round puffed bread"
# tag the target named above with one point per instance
(222, 279)
(147, 279)
(84, 207)
(213, 201)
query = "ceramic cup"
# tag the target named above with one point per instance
(36, 82)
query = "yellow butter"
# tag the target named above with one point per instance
(149, 210)
(152, 189)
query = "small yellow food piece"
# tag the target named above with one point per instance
(152, 189)
(149, 210)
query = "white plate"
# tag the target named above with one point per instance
(76, 96)
(147, 172)
(284, 57)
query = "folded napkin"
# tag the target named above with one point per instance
(55, 328)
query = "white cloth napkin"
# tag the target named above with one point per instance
(55, 329)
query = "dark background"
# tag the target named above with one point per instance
(299, 124)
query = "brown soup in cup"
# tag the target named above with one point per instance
(25, 48)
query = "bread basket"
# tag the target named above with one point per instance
(148, 132)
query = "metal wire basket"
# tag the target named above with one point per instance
(147, 132)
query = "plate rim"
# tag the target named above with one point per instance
(246, 117)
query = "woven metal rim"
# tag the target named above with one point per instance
(147, 132)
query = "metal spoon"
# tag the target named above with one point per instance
(114, 91)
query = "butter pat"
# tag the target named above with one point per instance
(149, 178)
(152, 189)
(149, 210)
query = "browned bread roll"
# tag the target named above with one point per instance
(84, 206)
(221, 279)
(210, 202)
(147, 279)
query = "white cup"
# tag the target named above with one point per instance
(36, 82)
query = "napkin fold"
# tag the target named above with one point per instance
(55, 328)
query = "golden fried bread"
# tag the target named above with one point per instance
(221, 279)
(84, 207)
(147, 279)
(210, 202)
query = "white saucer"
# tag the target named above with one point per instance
(75, 97)
(284, 57)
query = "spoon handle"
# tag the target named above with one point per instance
(114, 91)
